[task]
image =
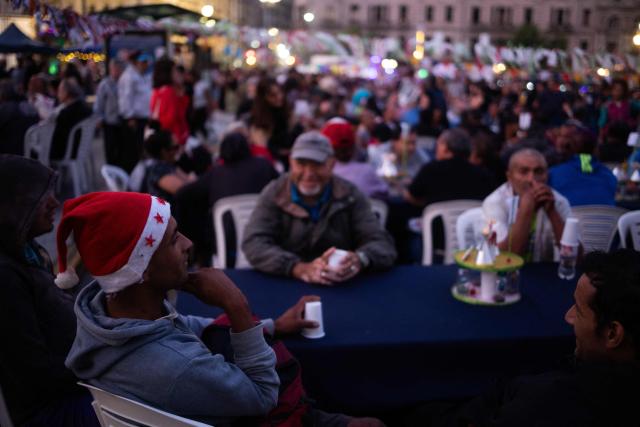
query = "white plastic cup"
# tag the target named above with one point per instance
(313, 311)
(524, 121)
(570, 232)
(336, 258)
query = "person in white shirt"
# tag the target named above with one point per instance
(529, 215)
(106, 107)
(134, 89)
(134, 96)
(203, 103)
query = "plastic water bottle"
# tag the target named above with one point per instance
(569, 249)
(568, 257)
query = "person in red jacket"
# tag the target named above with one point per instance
(169, 103)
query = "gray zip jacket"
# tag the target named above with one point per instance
(280, 233)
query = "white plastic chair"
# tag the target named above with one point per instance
(380, 209)
(240, 208)
(468, 227)
(117, 411)
(116, 178)
(598, 225)
(630, 223)
(449, 211)
(37, 141)
(5, 419)
(80, 167)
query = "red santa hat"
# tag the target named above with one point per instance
(116, 235)
(339, 132)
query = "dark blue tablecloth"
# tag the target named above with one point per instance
(398, 338)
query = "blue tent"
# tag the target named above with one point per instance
(12, 40)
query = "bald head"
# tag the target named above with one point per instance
(526, 167)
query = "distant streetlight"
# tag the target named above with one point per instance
(499, 68)
(273, 31)
(308, 17)
(207, 11)
(270, 1)
(636, 39)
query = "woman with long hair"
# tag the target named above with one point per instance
(270, 124)
(169, 103)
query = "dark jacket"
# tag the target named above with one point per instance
(15, 119)
(591, 395)
(67, 118)
(194, 201)
(37, 322)
(281, 233)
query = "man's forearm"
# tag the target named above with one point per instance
(298, 269)
(269, 257)
(239, 315)
(518, 235)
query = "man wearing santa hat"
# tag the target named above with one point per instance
(131, 341)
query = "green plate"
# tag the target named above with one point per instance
(504, 263)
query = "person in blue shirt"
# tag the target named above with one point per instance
(580, 177)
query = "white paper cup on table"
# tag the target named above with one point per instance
(313, 311)
(570, 234)
(336, 258)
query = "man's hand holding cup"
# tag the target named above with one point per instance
(333, 266)
(343, 265)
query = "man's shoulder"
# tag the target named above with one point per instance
(571, 166)
(259, 163)
(183, 346)
(561, 200)
(445, 167)
(104, 83)
(498, 196)
(344, 189)
(14, 274)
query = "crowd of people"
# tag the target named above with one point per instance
(317, 149)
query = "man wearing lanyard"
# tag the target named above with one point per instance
(529, 215)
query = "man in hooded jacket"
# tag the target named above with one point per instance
(37, 323)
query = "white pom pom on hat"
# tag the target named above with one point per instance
(116, 234)
(67, 279)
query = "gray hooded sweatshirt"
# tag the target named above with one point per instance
(164, 364)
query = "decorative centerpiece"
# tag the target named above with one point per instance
(497, 281)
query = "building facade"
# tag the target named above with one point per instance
(593, 25)
(242, 12)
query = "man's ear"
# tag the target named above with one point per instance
(614, 335)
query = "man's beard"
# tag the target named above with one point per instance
(310, 191)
